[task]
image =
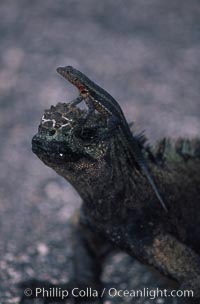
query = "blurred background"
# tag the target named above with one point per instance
(145, 53)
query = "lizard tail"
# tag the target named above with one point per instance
(140, 159)
(135, 146)
(153, 185)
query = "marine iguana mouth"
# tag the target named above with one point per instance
(52, 150)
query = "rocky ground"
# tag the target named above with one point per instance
(146, 54)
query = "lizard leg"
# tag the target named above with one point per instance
(76, 101)
(91, 108)
(112, 125)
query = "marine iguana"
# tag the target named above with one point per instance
(117, 199)
(98, 99)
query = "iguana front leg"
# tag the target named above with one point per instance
(89, 252)
(176, 260)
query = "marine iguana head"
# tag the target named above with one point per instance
(73, 150)
(98, 166)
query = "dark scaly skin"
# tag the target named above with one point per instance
(98, 99)
(115, 212)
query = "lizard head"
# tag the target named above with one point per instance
(76, 78)
(72, 149)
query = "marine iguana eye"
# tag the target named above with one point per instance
(86, 134)
(52, 132)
